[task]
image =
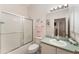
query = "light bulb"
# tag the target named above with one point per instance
(60, 6)
(55, 8)
(51, 9)
(65, 5)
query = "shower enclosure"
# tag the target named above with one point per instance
(15, 31)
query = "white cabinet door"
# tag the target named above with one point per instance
(47, 49)
(60, 51)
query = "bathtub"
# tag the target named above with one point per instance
(21, 50)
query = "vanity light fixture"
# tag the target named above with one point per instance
(59, 7)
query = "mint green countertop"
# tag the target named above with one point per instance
(69, 46)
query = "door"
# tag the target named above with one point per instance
(62, 27)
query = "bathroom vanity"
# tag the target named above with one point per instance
(50, 46)
(48, 49)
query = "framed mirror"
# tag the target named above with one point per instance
(59, 22)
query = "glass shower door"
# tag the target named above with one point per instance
(11, 32)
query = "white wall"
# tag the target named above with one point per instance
(76, 21)
(20, 9)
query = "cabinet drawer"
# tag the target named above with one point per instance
(61, 51)
(47, 49)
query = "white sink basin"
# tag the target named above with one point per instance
(58, 43)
